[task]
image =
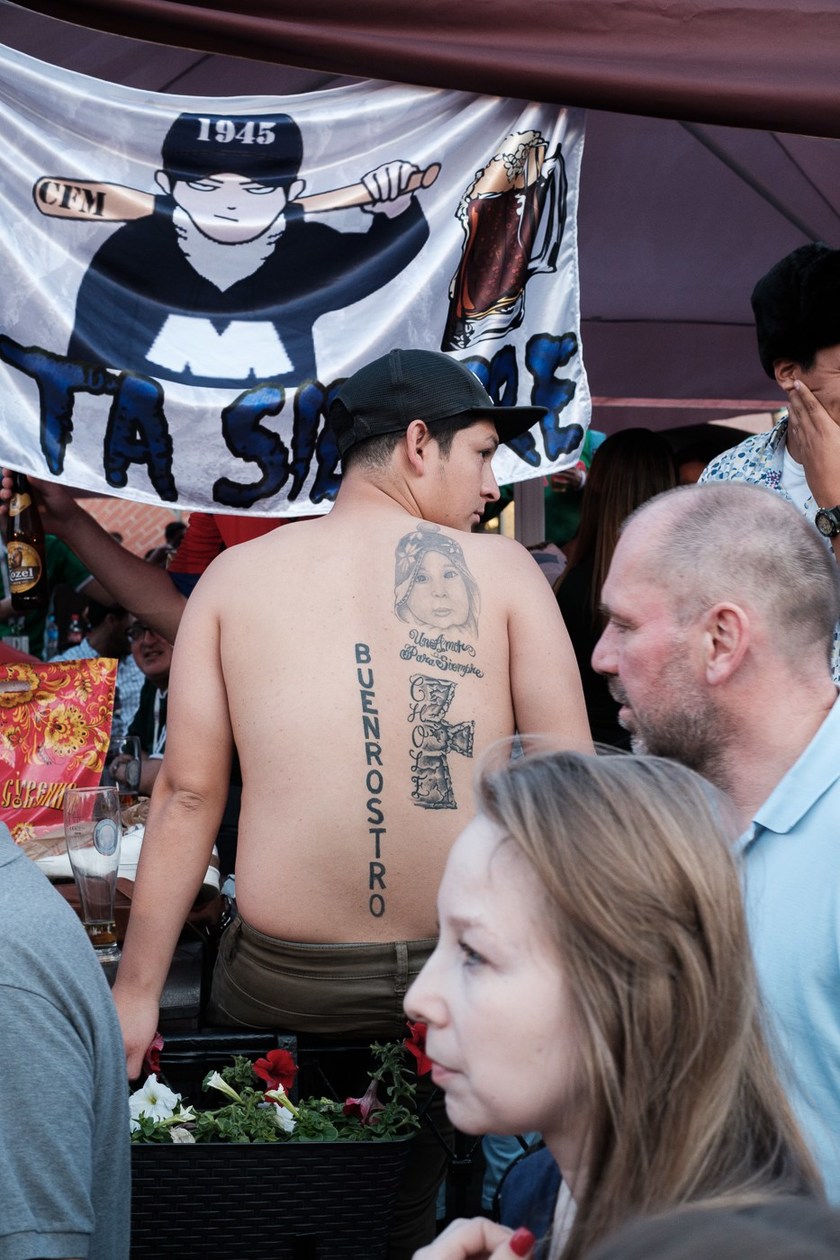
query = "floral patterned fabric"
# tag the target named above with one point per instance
(758, 461)
(55, 724)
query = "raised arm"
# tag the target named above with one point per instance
(544, 676)
(119, 575)
(186, 809)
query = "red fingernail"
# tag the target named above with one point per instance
(521, 1241)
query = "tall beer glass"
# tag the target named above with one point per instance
(93, 833)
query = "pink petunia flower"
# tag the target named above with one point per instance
(365, 1107)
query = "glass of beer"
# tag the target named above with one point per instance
(93, 833)
(122, 768)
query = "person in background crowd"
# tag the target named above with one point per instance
(550, 558)
(797, 320)
(593, 981)
(173, 537)
(65, 1164)
(157, 595)
(355, 615)
(692, 458)
(107, 635)
(627, 469)
(174, 534)
(153, 656)
(562, 495)
(721, 603)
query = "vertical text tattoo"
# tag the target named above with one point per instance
(433, 737)
(374, 780)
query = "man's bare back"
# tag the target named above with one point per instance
(360, 664)
(363, 681)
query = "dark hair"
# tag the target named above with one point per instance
(627, 469)
(197, 145)
(376, 452)
(95, 613)
(796, 306)
(174, 530)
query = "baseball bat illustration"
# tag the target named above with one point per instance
(62, 198)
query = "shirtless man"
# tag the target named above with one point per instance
(358, 704)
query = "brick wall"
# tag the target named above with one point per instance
(141, 524)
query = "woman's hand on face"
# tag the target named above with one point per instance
(479, 1239)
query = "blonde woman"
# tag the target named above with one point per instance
(593, 981)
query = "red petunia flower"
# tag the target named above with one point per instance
(365, 1107)
(277, 1068)
(416, 1045)
(151, 1059)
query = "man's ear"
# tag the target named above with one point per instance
(164, 183)
(295, 190)
(726, 637)
(786, 372)
(416, 442)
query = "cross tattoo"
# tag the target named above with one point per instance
(433, 737)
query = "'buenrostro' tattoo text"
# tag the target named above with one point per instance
(374, 779)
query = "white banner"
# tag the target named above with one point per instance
(187, 281)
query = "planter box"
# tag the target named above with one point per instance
(269, 1201)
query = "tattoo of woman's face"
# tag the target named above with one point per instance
(433, 585)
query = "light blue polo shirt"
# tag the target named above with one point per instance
(792, 893)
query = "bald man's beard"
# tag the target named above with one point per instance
(683, 725)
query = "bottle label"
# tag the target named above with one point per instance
(24, 567)
(19, 503)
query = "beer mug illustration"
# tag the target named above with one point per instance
(513, 215)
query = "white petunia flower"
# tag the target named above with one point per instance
(154, 1099)
(217, 1081)
(281, 1099)
(183, 1113)
(284, 1119)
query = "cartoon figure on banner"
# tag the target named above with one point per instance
(513, 215)
(218, 281)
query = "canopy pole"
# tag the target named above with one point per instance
(529, 511)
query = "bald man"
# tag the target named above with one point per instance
(721, 602)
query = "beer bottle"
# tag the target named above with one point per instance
(25, 548)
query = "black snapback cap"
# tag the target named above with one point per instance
(405, 385)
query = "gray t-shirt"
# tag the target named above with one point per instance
(65, 1157)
